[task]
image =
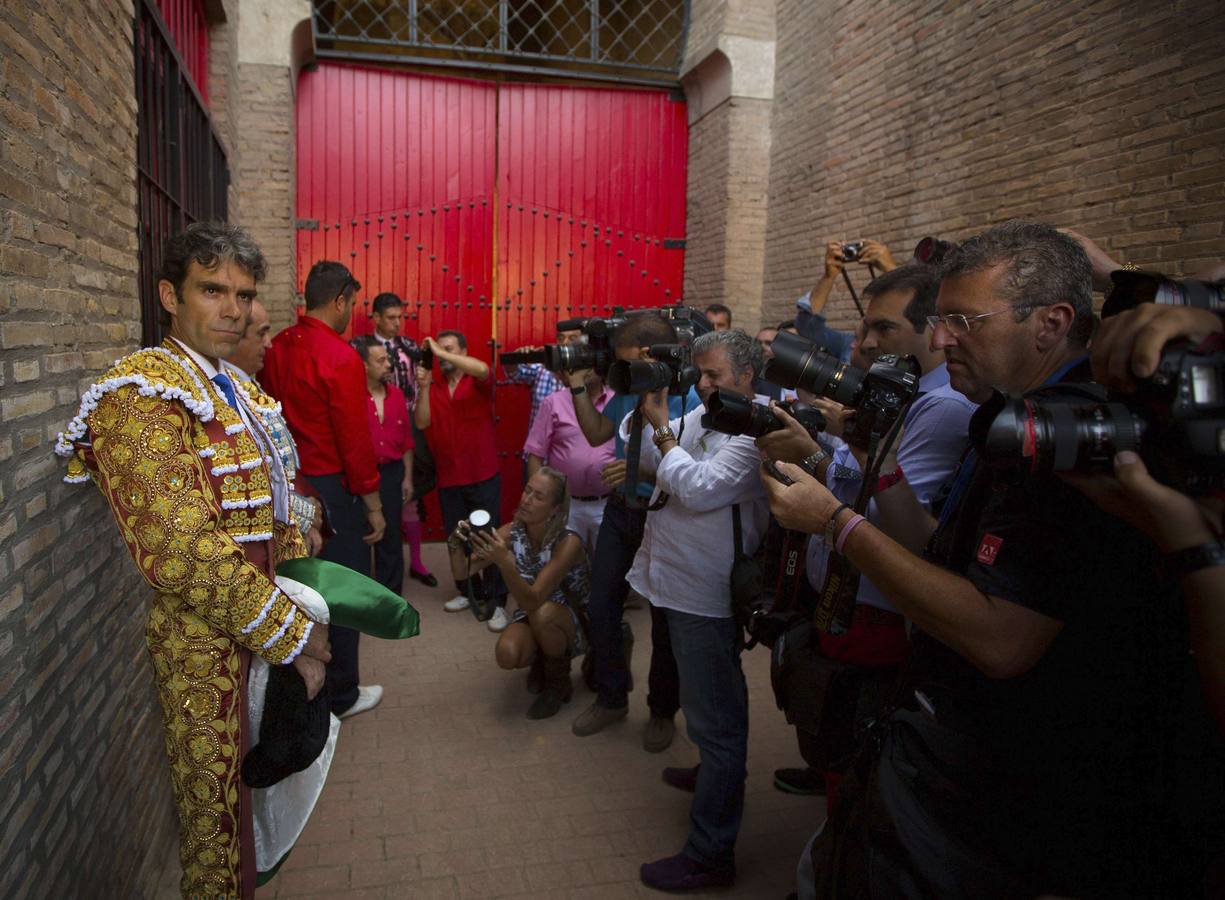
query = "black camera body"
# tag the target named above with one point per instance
(879, 395)
(1129, 289)
(594, 353)
(426, 360)
(735, 414)
(672, 368)
(1175, 422)
(851, 250)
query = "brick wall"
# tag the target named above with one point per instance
(265, 178)
(945, 118)
(85, 805)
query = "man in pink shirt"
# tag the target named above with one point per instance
(556, 437)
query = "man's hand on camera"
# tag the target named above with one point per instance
(655, 408)
(1173, 520)
(613, 474)
(791, 443)
(424, 377)
(1128, 346)
(836, 415)
(888, 465)
(374, 517)
(313, 672)
(834, 263)
(578, 378)
(317, 645)
(805, 505)
(874, 253)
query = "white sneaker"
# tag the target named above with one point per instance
(498, 621)
(368, 697)
(458, 603)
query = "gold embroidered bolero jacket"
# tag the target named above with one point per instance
(190, 491)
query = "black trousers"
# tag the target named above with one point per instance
(389, 552)
(346, 517)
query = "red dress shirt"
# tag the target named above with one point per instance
(461, 435)
(321, 383)
(393, 437)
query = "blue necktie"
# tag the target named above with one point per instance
(227, 388)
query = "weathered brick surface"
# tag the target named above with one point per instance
(85, 800)
(265, 177)
(943, 119)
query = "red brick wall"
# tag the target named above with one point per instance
(899, 120)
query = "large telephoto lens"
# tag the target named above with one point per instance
(1054, 436)
(730, 413)
(572, 357)
(799, 363)
(638, 376)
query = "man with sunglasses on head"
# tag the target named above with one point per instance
(899, 304)
(321, 383)
(1047, 717)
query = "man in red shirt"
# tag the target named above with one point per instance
(321, 383)
(456, 416)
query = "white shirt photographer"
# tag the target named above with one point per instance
(685, 559)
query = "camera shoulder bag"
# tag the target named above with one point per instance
(747, 583)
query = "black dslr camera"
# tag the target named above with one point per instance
(671, 368)
(671, 365)
(731, 413)
(1131, 288)
(1175, 421)
(879, 396)
(596, 353)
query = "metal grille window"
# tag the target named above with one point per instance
(188, 26)
(181, 171)
(635, 41)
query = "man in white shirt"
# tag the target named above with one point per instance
(684, 567)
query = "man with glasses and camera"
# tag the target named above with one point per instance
(1033, 745)
(896, 321)
(705, 481)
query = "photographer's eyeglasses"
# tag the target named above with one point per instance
(959, 324)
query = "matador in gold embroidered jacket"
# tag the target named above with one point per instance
(189, 479)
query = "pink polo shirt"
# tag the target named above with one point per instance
(557, 438)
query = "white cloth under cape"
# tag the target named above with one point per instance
(281, 811)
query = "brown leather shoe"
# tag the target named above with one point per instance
(597, 718)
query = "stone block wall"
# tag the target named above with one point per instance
(85, 800)
(900, 120)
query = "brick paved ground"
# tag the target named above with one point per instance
(447, 790)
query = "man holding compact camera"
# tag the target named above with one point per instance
(1046, 700)
(713, 497)
(933, 440)
(810, 309)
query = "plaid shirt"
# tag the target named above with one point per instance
(543, 383)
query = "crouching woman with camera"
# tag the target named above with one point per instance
(545, 568)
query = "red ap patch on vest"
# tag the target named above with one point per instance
(989, 549)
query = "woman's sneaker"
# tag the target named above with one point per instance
(458, 603)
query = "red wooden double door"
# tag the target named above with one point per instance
(493, 209)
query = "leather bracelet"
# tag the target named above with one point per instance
(1181, 563)
(578, 391)
(832, 525)
(854, 522)
(887, 481)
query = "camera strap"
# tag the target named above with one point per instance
(836, 606)
(633, 452)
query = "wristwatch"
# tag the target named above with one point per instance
(809, 463)
(578, 391)
(663, 434)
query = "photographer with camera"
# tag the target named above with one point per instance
(810, 309)
(1127, 349)
(617, 541)
(544, 565)
(456, 416)
(1045, 701)
(684, 569)
(864, 660)
(537, 376)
